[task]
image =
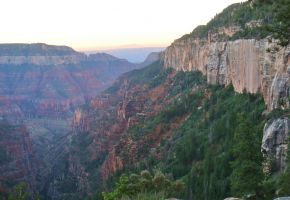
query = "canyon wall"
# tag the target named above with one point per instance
(250, 65)
(18, 162)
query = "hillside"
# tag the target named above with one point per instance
(158, 118)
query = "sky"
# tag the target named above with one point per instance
(103, 24)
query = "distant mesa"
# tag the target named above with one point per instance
(52, 55)
(35, 49)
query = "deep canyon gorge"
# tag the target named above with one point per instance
(71, 124)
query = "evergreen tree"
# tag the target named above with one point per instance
(247, 172)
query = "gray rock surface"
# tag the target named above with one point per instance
(275, 141)
(283, 198)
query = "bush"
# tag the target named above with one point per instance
(144, 186)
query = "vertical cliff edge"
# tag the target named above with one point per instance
(250, 65)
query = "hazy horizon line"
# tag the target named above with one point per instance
(97, 48)
(129, 46)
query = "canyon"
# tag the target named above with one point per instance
(72, 123)
(76, 130)
(41, 86)
(47, 84)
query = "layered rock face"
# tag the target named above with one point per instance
(42, 60)
(48, 83)
(38, 54)
(250, 65)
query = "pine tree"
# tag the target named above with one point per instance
(247, 167)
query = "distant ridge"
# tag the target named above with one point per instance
(135, 55)
(103, 57)
(35, 49)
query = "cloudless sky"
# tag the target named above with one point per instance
(96, 24)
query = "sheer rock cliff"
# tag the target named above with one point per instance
(250, 65)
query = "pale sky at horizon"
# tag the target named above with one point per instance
(96, 24)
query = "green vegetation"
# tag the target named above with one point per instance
(280, 26)
(271, 18)
(145, 186)
(247, 172)
(20, 192)
(206, 151)
(239, 15)
(205, 143)
(153, 75)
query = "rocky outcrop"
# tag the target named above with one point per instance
(250, 65)
(275, 143)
